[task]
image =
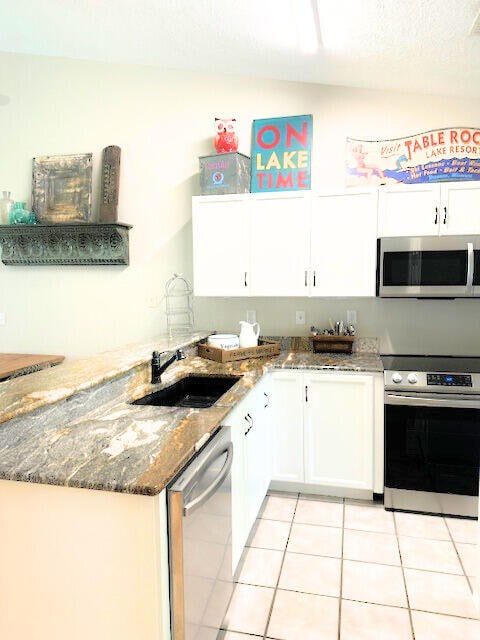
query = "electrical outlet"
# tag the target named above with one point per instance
(251, 316)
(299, 317)
(2, 318)
(352, 317)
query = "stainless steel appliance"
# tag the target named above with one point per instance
(429, 267)
(200, 541)
(432, 434)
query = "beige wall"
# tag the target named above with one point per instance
(162, 120)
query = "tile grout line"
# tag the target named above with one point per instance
(382, 533)
(372, 602)
(376, 563)
(341, 574)
(403, 576)
(281, 568)
(458, 555)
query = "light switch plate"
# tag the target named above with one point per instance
(299, 317)
(251, 316)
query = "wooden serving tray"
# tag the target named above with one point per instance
(265, 348)
(13, 364)
(332, 344)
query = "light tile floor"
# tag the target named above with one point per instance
(320, 568)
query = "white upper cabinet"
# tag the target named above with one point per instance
(280, 259)
(339, 430)
(344, 244)
(221, 247)
(300, 244)
(460, 208)
(409, 210)
(449, 208)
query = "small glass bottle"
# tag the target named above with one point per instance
(6, 204)
(20, 215)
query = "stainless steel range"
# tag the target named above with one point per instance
(432, 434)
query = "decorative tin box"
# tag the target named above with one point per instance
(224, 173)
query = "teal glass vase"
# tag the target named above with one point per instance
(20, 215)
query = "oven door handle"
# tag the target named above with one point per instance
(446, 400)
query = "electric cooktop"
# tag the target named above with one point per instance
(438, 364)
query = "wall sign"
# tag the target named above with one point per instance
(442, 154)
(281, 154)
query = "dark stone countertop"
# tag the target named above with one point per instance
(95, 439)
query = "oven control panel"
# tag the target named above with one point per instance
(449, 380)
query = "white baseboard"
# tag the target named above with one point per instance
(314, 489)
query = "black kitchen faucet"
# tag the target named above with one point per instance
(158, 369)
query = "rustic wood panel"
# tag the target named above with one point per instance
(110, 184)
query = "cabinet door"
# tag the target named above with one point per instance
(239, 508)
(280, 244)
(344, 244)
(339, 430)
(409, 210)
(258, 457)
(460, 214)
(287, 426)
(221, 242)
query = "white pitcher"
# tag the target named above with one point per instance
(249, 334)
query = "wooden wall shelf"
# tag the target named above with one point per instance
(76, 243)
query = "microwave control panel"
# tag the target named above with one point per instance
(449, 380)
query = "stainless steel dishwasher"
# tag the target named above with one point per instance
(200, 542)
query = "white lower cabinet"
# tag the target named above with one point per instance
(327, 430)
(287, 426)
(305, 430)
(339, 430)
(258, 454)
(252, 461)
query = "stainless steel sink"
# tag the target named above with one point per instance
(192, 391)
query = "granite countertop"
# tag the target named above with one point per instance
(95, 439)
(361, 361)
(23, 395)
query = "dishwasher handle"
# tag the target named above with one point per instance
(197, 502)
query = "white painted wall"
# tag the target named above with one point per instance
(163, 121)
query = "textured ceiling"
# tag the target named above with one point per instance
(411, 45)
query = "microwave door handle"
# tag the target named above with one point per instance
(470, 267)
(197, 502)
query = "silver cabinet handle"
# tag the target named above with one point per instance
(267, 398)
(306, 393)
(436, 215)
(445, 215)
(470, 266)
(210, 490)
(314, 278)
(306, 280)
(245, 279)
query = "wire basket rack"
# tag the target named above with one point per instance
(179, 306)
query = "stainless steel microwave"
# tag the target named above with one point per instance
(429, 267)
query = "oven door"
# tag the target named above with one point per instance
(432, 443)
(429, 267)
